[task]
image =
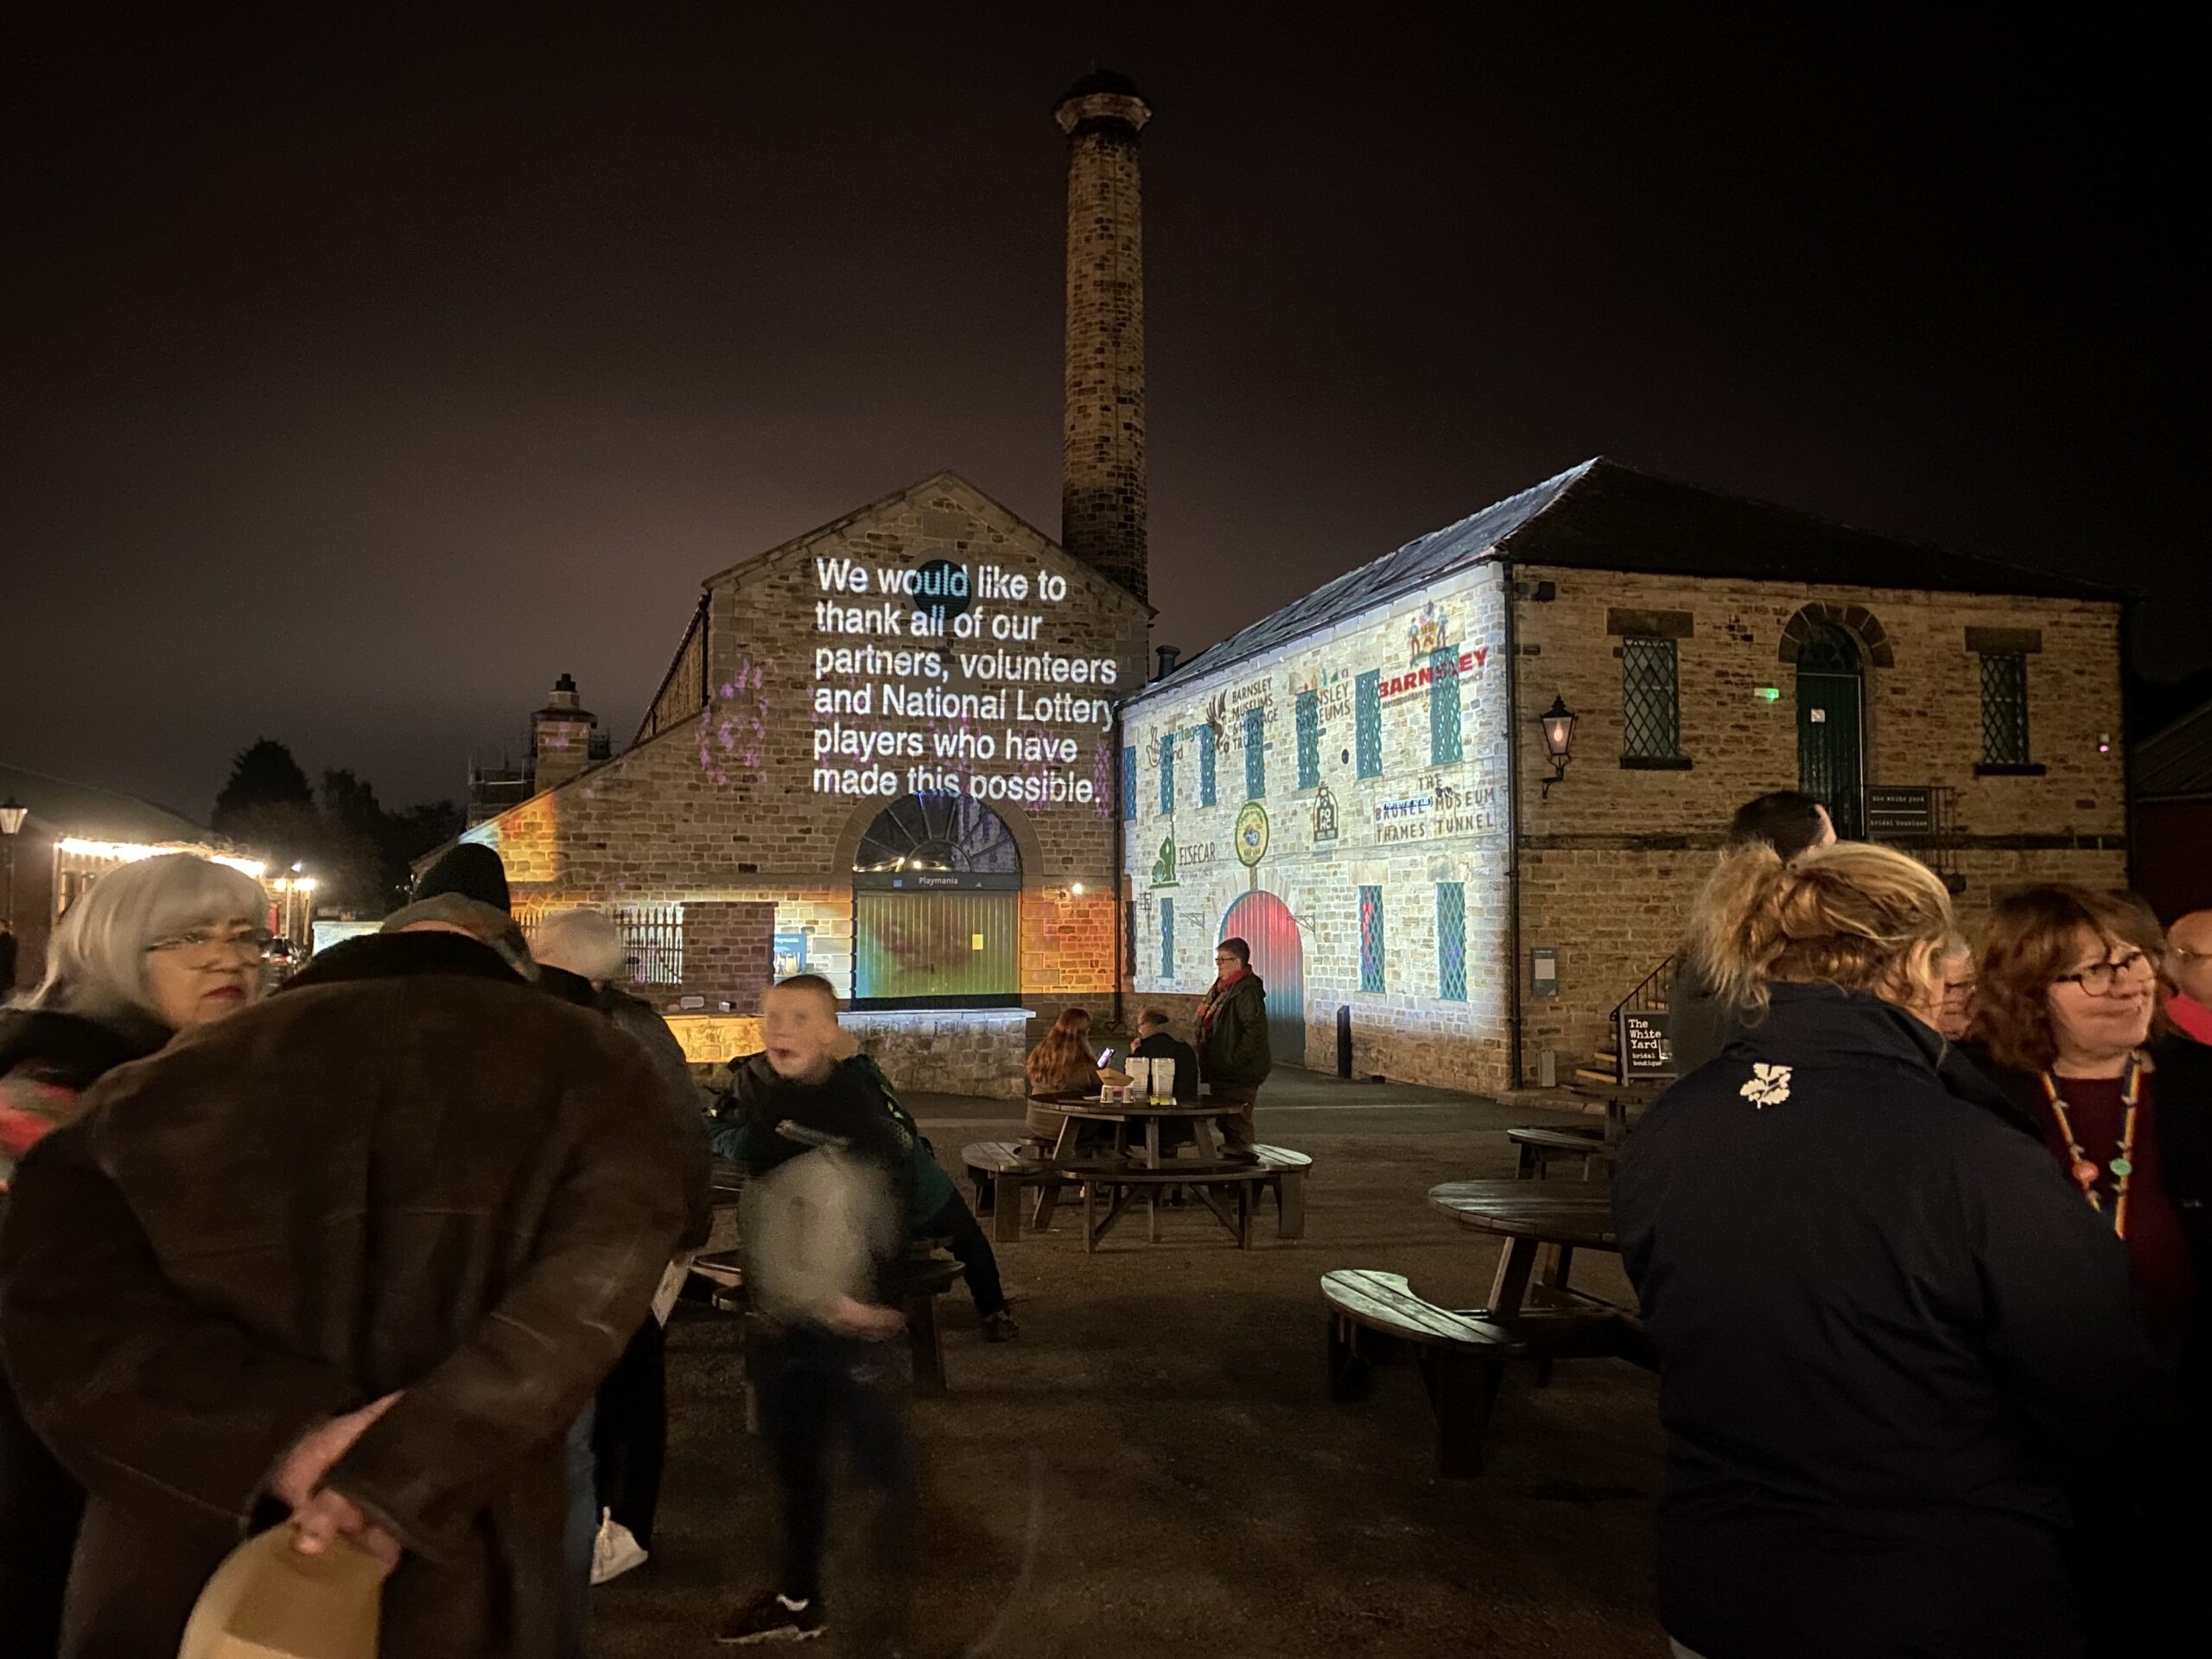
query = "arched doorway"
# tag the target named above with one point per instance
(1831, 725)
(1265, 923)
(937, 907)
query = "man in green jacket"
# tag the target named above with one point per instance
(1232, 1033)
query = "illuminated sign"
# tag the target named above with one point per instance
(941, 679)
(1250, 834)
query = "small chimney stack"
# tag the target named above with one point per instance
(1169, 656)
(561, 734)
(1103, 486)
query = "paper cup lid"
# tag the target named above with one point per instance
(267, 1601)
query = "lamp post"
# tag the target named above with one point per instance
(1558, 723)
(12, 814)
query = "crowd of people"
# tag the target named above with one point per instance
(1920, 1236)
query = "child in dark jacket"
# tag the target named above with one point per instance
(829, 1192)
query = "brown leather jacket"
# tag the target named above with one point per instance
(414, 1172)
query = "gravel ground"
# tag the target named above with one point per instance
(1155, 1468)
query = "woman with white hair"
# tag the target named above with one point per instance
(150, 949)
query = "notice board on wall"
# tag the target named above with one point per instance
(1646, 1049)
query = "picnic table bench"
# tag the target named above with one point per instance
(1003, 1170)
(1375, 1319)
(1538, 1148)
(928, 1277)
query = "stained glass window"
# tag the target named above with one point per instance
(1255, 754)
(1367, 695)
(1370, 938)
(1444, 706)
(1309, 739)
(1650, 713)
(1166, 774)
(1451, 941)
(2004, 708)
(1129, 783)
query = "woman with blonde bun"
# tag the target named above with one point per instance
(1893, 1342)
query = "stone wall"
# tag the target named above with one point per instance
(724, 808)
(1420, 822)
(956, 1052)
(1610, 860)
(728, 950)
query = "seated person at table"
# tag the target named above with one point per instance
(1156, 1041)
(1061, 1068)
(938, 1211)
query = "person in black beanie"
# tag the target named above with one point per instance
(472, 871)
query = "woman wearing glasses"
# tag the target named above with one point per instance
(2065, 1006)
(150, 949)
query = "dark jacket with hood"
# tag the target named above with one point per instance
(1235, 1053)
(410, 1171)
(47, 1059)
(1892, 1338)
(686, 1106)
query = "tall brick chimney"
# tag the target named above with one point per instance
(1102, 491)
(560, 736)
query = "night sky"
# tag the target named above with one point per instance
(361, 377)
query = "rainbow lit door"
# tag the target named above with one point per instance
(1265, 923)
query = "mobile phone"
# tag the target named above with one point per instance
(1104, 1057)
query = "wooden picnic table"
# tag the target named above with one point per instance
(1153, 1121)
(1533, 1217)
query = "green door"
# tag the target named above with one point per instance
(1831, 747)
(941, 948)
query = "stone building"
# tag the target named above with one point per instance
(1361, 786)
(2172, 791)
(883, 750)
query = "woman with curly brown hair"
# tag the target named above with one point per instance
(2065, 1002)
(1889, 1334)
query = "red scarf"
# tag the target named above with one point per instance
(1210, 1005)
(2192, 1016)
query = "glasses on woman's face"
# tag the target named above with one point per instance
(207, 945)
(2110, 978)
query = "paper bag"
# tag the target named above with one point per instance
(1140, 1079)
(267, 1601)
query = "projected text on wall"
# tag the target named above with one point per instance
(944, 678)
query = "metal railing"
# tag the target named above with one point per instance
(1652, 993)
(652, 938)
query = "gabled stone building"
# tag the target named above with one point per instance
(884, 751)
(1361, 785)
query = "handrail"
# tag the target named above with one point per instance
(1651, 993)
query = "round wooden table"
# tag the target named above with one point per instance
(1530, 1215)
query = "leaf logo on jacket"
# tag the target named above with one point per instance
(1769, 1086)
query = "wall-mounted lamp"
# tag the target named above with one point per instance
(1076, 888)
(1558, 722)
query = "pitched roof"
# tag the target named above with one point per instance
(1603, 516)
(73, 809)
(2177, 762)
(942, 480)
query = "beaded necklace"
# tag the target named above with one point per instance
(2086, 1174)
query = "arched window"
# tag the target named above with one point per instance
(946, 833)
(937, 907)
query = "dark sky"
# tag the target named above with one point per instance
(361, 377)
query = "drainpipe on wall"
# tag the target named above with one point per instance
(1119, 886)
(2125, 738)
(1512, 820)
